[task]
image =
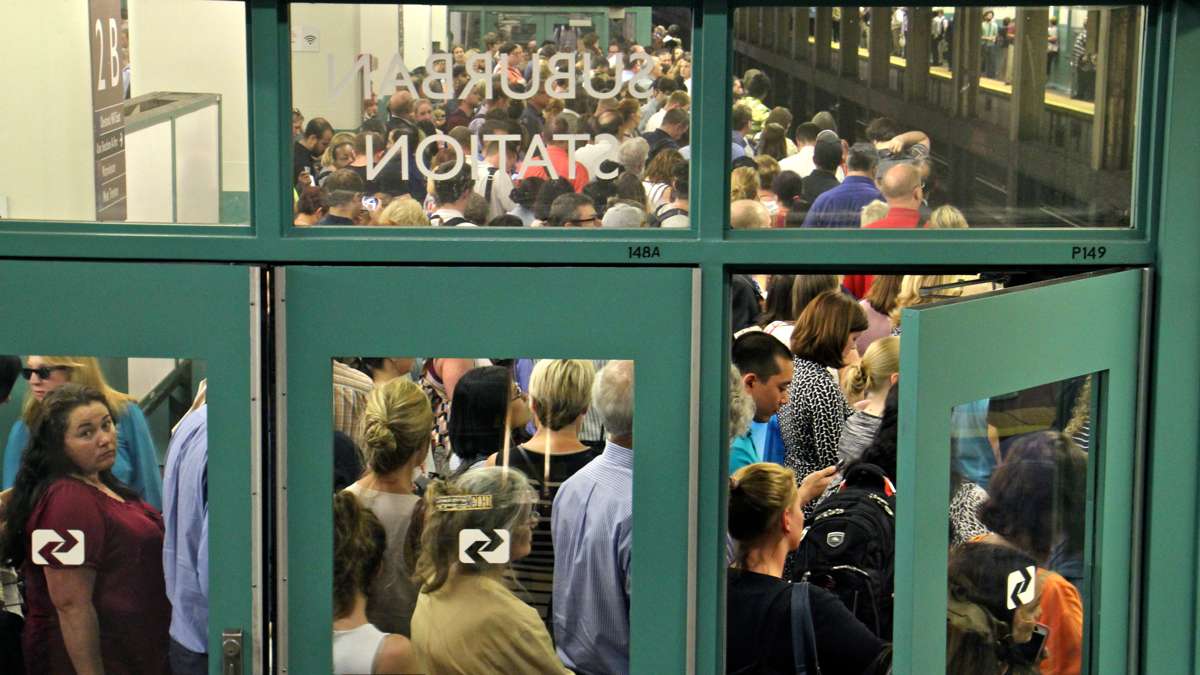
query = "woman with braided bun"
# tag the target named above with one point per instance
(866, 385)
(984, 633)
(467, 620)
(766, 520)
(399, 422)
(359, 544)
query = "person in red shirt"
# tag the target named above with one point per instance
(901, 187)
(90, 551)
(560, 157)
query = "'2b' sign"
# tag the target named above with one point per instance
(50, 547)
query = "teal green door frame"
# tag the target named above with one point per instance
(476, 312)
(992, 345)
(207, 312)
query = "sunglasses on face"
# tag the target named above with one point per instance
(43, 372)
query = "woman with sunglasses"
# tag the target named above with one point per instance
(89, 550)
(136, 462)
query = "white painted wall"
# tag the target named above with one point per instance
(48, 111)
(196, 46)
(379, 35)
(420, 23)
(338, 26)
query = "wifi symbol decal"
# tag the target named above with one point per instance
(310, 39)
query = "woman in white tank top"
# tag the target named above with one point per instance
(359, 542)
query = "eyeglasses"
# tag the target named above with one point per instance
(43, 372)
(582, 221)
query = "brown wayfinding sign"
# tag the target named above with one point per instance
(108, 101)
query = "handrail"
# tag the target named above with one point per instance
(182, 373)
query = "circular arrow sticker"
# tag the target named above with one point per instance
(50, 547)
(483, 547)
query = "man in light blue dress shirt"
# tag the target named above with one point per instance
(592, 527)
(185, 544)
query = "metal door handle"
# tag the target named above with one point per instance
(231, 651)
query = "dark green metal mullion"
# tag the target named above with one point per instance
(1152, 98)
(713, 471)
(710, 118)
(1169, 584)
(268, 46)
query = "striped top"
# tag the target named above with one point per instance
(532, 578)
(592, 526)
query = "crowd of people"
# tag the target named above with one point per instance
(537, 454)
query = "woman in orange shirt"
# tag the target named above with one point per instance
(1036, 505)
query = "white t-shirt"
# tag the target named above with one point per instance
(445, 215)
(802, 163)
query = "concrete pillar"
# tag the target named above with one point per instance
(1027, 107)
(850, 27)
(916, 54)
(880, 48)
(966, 60)
(824, 53)
(1113, 124)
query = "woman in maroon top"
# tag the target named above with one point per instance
(89, 550)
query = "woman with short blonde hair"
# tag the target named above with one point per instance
(404, 211)
(946, 217)
(743, 184)
(560, 392)
(137, 460)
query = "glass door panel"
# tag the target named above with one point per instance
(1030, 448)
(116, 475)
(422, 442)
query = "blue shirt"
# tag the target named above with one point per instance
(842, 206)
(185, 543)
(969, 441)
(136, 464)
(758, 433)
(743, 452)
(592, 528)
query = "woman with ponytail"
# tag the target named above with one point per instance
(467, 620)
(766, 520)
(359, 543)
(984, 634)
(560, 392)
(399, 422)
(866, 385)
(772, 142)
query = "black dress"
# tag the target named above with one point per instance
(758, 628)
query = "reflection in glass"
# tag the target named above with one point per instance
(992, 117)
(130, 111)
(490, 116)
(82, 529)
(494, 489)
(1019, 486)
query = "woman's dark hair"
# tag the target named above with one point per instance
(526, 192)
(884, 291)
(789, 187)
(477, 415)
(550, 191)
(44, 461)
(979, 623)
(309, 201)
(359, 542)
(630, 187)
(825, 325)
(779, 300)
(1036, 498)
(773, 141)
(882, 450)
(805, 287)
(600, 191)
(505, 220)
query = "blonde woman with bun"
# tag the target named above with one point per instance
(136, 463)
(359, 545)
(399, 422)
(743, 184)
(910, 293)
(766, 522)
(868, 382)
(946, 217)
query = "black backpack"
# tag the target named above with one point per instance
(849, 547)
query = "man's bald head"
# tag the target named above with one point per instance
(748, 214)
(900, 184)
(401, 103)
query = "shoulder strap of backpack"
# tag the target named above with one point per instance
(487, 186)
(804, 638)
(453, 222)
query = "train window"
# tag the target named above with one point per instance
(946, 117)
(104, 489)
(496, 116)
(495, 489)
(1018, 587)
(130, 112)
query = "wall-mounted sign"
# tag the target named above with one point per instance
(108, 103)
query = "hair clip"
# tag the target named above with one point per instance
(463, 503)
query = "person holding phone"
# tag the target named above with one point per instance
(992, 612)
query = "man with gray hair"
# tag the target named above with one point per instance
(572, 210)
(592, 528)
